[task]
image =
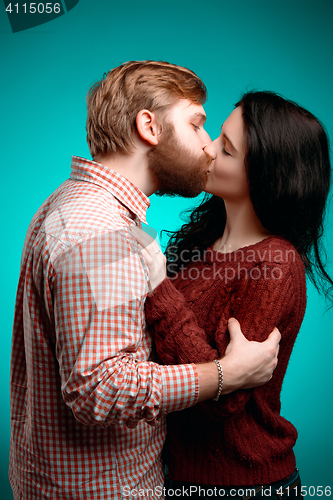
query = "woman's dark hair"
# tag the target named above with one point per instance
(288, 169)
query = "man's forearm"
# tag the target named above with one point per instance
(209, 379)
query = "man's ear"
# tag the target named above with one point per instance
(147, 126)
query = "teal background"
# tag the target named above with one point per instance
(284, 46)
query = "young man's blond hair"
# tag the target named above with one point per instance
(114, 102)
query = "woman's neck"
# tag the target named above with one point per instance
(242, 229)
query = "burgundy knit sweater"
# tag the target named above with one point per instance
(242, 439)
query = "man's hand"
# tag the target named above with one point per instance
(248, 364)
(154, 257)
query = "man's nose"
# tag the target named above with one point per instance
(210, 150)
(206, 140)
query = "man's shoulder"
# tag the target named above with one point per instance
(75, 212)
(81, 207)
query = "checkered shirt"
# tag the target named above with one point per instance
(88, 404)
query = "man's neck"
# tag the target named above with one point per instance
(133, 167)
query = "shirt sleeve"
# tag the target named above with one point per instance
(99, 287)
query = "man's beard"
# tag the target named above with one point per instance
(177, 170)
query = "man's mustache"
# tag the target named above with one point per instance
(209, 158)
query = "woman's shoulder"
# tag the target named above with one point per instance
(275, 250)
(270, 252)
(278, 262)
(277, 271)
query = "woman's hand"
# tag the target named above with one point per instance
(154, 257)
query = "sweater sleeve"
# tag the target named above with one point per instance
(177, 335)
(273, 295)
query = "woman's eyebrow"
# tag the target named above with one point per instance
(229, 141)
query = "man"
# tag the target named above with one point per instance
(88, 403)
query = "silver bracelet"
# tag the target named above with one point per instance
(219, 367)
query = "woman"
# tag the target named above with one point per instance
(243, 254)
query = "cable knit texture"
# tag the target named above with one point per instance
(242, 439)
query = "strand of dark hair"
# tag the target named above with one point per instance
(206, 223)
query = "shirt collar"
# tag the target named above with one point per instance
(120, 187)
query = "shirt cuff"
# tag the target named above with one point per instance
(180, 387)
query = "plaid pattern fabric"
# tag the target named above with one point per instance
(88, 404)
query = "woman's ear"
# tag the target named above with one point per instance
(147, 126)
